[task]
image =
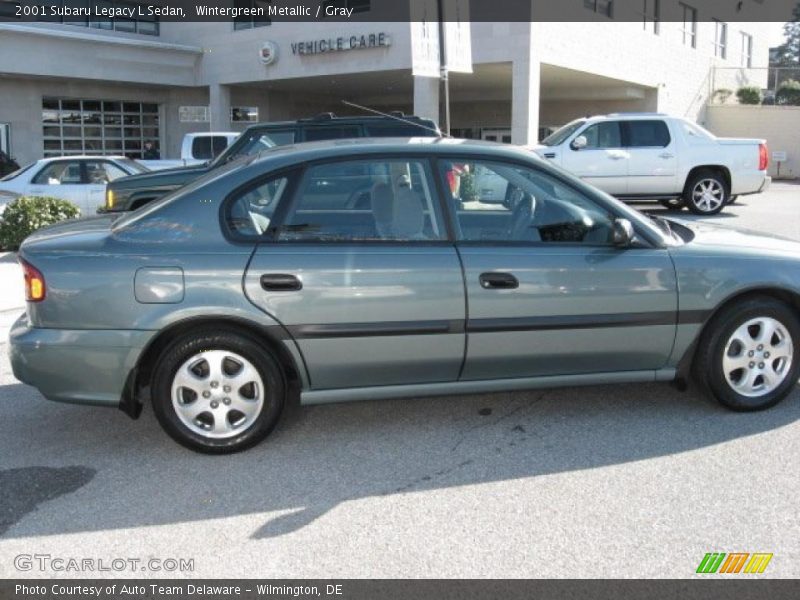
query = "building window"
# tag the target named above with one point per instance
(601, 7)
(244, 114)
(720, 39)
(142, 24)
(747, 50)
(99, 127)
(651, 15)
(356, 6)
(689, 28)
(260, 19)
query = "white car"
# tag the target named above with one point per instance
(648, 156)
(196, 149)
(80, 179)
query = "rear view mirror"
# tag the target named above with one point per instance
(579, 142)
(623, 233)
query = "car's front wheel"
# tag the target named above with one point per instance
(747, 356)
(706, 193)
(217, 392)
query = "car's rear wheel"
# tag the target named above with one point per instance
(707, 193)
(672, 203)
(217, 392)
(747, 357)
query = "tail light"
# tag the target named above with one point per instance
(34, 282)
(109, 199)
(763, 157)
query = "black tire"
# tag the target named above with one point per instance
(672, 203)
(718, 187)
(732, 199)
(708, 364)
(261, 358)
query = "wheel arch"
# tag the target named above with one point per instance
(137, 387)
(789, 297)
(721, 169)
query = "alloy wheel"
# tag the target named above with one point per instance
(708, 195)
(217, 394)
(757, 357)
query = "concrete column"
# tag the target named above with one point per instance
(525, 84)
(219, 101)
(426, 97)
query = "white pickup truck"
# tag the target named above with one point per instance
(196, 149)
(646, 156)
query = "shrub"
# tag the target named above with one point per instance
(788, 93)
(721, 95)
(26, 214)
(749, 95)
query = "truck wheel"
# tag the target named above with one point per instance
(672, 203)
(732, 199)
(706, 193)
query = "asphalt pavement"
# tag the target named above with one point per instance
(611, 481)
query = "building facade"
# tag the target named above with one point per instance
(96, 87)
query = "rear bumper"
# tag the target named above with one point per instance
(76, 366)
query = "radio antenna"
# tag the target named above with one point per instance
(438, 132)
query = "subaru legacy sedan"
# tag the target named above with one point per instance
(367, 269)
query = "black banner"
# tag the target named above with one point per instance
(275, 11)
(349, 589)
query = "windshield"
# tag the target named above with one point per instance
(16, 173)
(254, 142)
(132, 166)
(559, 136)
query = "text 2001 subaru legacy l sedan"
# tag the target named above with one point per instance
(382, 268)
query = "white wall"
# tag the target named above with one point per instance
(777, 124)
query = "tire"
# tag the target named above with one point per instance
(732, 199)
(706, 193)
(741, 381)
(672, 203)
(239, 384)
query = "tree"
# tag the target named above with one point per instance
(788, 53)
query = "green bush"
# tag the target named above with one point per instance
(26, 214)
(749, 95)
(721, 95)
(788, 93)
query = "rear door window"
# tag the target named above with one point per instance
(313, 134)
(65, 172)
(361, 200)
(648, 134)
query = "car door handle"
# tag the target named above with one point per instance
(498, 281)
(666, 155)
(280, 282)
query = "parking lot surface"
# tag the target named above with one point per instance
(614, 481)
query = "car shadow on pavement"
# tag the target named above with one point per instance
(322, 456)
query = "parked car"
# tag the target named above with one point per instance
(80, 179)
(648, 156)
(7, 164)
(265, 278)
(196, 149)
(132, 192)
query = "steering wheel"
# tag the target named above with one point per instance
(521, 217)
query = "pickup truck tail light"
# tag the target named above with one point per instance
(109, 199)
(35, 289)
(763, 157)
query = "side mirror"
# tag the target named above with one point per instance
(579, 142)
(622, 233)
